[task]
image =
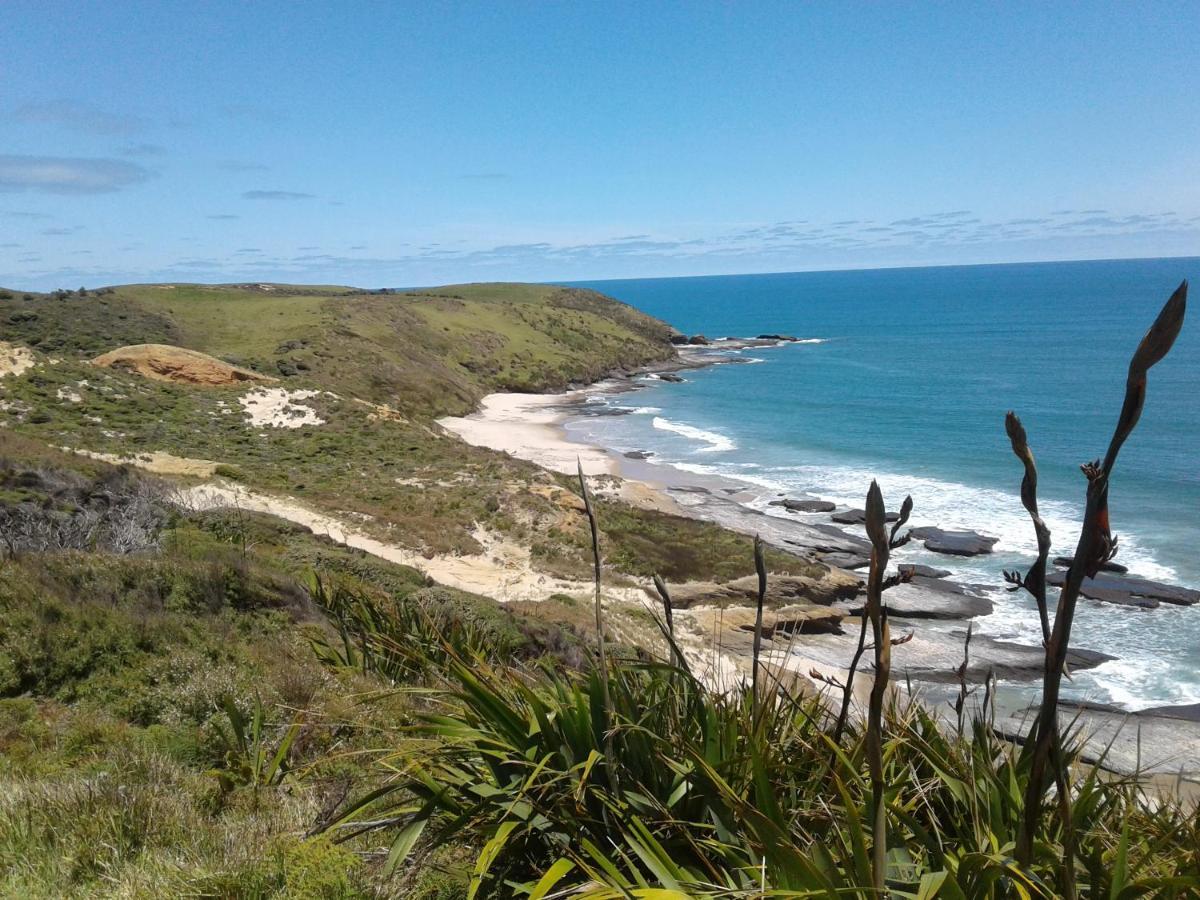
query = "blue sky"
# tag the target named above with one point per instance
(391, 144)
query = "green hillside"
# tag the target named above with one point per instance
(204, 700)
(141, 638)
(382, 365)
(429, 352)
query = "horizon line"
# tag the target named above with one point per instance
(576, 281)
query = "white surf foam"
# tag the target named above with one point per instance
(717, 442)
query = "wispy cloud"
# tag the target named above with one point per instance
(80, 117)
(765, 246)
(68, 175)
(223, 217)
(484, 176)
(276, 195)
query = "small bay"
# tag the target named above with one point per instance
(905, 375)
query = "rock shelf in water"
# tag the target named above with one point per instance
(1129, 591)
(1065, 562)
(859, 517)
(1007, 660)
(808, 506)
(931, 598)
(954, 543)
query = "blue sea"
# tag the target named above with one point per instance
(905, 376)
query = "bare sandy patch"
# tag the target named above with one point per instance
(279, 408)
(156, 461)
(503, 570)
(15, 359)
(381, 411)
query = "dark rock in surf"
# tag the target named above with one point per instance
(1065, 562)
(1189, 712)
(925, 571)
(808, 506)
(638, 454)
(859, 517)
(931, 598)
(954, 543)
(1005, 659)
(1124, 589)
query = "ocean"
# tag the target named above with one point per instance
(905, 376)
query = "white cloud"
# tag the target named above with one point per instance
(68, 175)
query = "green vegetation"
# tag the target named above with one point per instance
(165, 726)
(696, 795)
(649, 543)
(421, 354)
(424, 353)
(220, 704)
(209, 719)
(416, 486)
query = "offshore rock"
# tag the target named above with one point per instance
(859, 517)
(1007, 660)
(926, 571)
(954, 543)
(931, 598)
(1127, 590)
(808, 506)
(1065, 562)
(846, 560)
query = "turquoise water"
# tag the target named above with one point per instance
(907, 380)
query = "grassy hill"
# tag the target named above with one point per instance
(381, 367)
(216, 703)
(128, 656)
(427, 353)
(139, 640)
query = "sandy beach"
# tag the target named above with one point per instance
(529, 427)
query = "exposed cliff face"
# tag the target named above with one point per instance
(163, 362)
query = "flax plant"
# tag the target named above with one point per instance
(880, 550)
(1095, 547)
(900, 578)
(760, 567)
(601, 649)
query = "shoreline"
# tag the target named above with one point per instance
(532, 427)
